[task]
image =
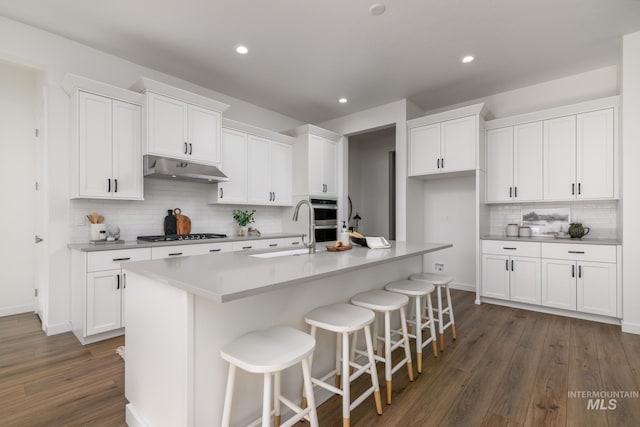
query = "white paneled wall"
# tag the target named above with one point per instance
(137, 218)
(600, 217)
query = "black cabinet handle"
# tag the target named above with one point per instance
(579, 189)
(438, 163)
(221, 192)
(273, 245)
(506, 264)
(573, 189)
(122, 259)
(511, 265)
(442, 163)
(215, 250)
(295, 243)
(186, 148)
(115, 181)
(175, 254)
(515, 192)
(576, 252)
(573, 271)
(124, 280)
(247, 247)
(510, 249)
(190, 148)
(579, 271)
(108, 185)
(274, 196)
(118, 281)
(510, 192)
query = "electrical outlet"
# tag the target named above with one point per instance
(439, 267)
(79, 220)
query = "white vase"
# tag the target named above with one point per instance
(243, 231)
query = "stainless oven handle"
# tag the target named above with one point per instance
(325, 227)
(331, 207)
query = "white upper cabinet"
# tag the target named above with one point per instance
(181, 124)
(315, 169)
(107, 153)
(234, 164)
(514, 163)
(259, 171)
(563, 154)
(444, 142)
(281, 173)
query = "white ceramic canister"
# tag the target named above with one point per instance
(95, 229)
(524, 231)
(512, 230)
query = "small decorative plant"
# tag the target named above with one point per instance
(243, 218)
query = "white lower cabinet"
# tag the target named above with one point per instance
(495, 280)
(559, 284)
(104, 301)
(596, 290)
(177, 251)
(511, 278)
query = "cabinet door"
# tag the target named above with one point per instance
(203, 134)
(234, 165)
(597, 290)
(594, 155)
(258, 170)
(94, 127)
(281, 173)
(500, 165)
(495, 276)
(527, 162)
(458, 149)
(560, 158)
(103, 301)
(559, 284)
(424, 150)
(329, 168)
(127, 151)
(316, 148)
(525, 280)
(166, 126)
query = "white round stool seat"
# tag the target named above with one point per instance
(379, 300)
(340, 317)
(433, 278)
(412, 288)
(269, 350)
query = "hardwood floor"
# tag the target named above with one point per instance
(508, 368)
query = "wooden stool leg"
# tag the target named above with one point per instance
(346, 384)
(450, 306)
(276, 399)
(418, 334)
(405, 338)
(387, 354)
(266, 401)
(306, 376)
(372, 369)
(440, 321)
(434, 341)
(228, 397)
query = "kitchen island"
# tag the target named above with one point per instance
(179, 313)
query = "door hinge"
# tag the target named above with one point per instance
(37, 132)
(36, 292)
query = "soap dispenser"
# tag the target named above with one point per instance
(344, 235)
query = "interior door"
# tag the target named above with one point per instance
(458, 149)
(559, 283)
(559, 163)
(594, 154)
(258, 170)
(234, 165)
(95, 148)
(204, 134)
(424, 150)
(127, 151)
(281, 173)
(500, 165)
(527, 162)
(495, 276)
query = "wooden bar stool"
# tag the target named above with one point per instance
(387, 302)
(345, 319)
(418, 290)
(440, 281)
(268, 352)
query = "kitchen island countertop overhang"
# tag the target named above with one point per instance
(230, 276)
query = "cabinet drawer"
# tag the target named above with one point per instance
(597, 253)
(292, 242)
(511, 248)
(178, 251)
(248, 245)
(217, 247)
(110, 260)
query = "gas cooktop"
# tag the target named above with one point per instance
(172, 237)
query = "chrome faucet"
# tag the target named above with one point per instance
(312, 226)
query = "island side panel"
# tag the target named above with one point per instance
(159, 349)
(216, 324)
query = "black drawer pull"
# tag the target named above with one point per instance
(576, 252)
(175, 254)
(511, 249)
(122, 259)
(295, 243)
(215, 250)
(247, 247)
(273, 245)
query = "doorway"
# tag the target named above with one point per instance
(22, 156)
(371, 182)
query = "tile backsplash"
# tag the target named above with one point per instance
(146, 217)
(601, 217)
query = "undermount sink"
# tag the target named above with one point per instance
(276, 254)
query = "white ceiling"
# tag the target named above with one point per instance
(304, 54)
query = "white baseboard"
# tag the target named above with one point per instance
(631, 328)
(58, 328)
(462, 286)
(133, 418)
(17, 309)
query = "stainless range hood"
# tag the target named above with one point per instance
(181, 170)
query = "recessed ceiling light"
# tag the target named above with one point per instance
(377, 9)
(467, 59)
(242, 50)
(342, 100)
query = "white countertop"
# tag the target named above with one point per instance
(224, 277)
(134, 244)
(584, 241)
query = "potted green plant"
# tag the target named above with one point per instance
(243, 218)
